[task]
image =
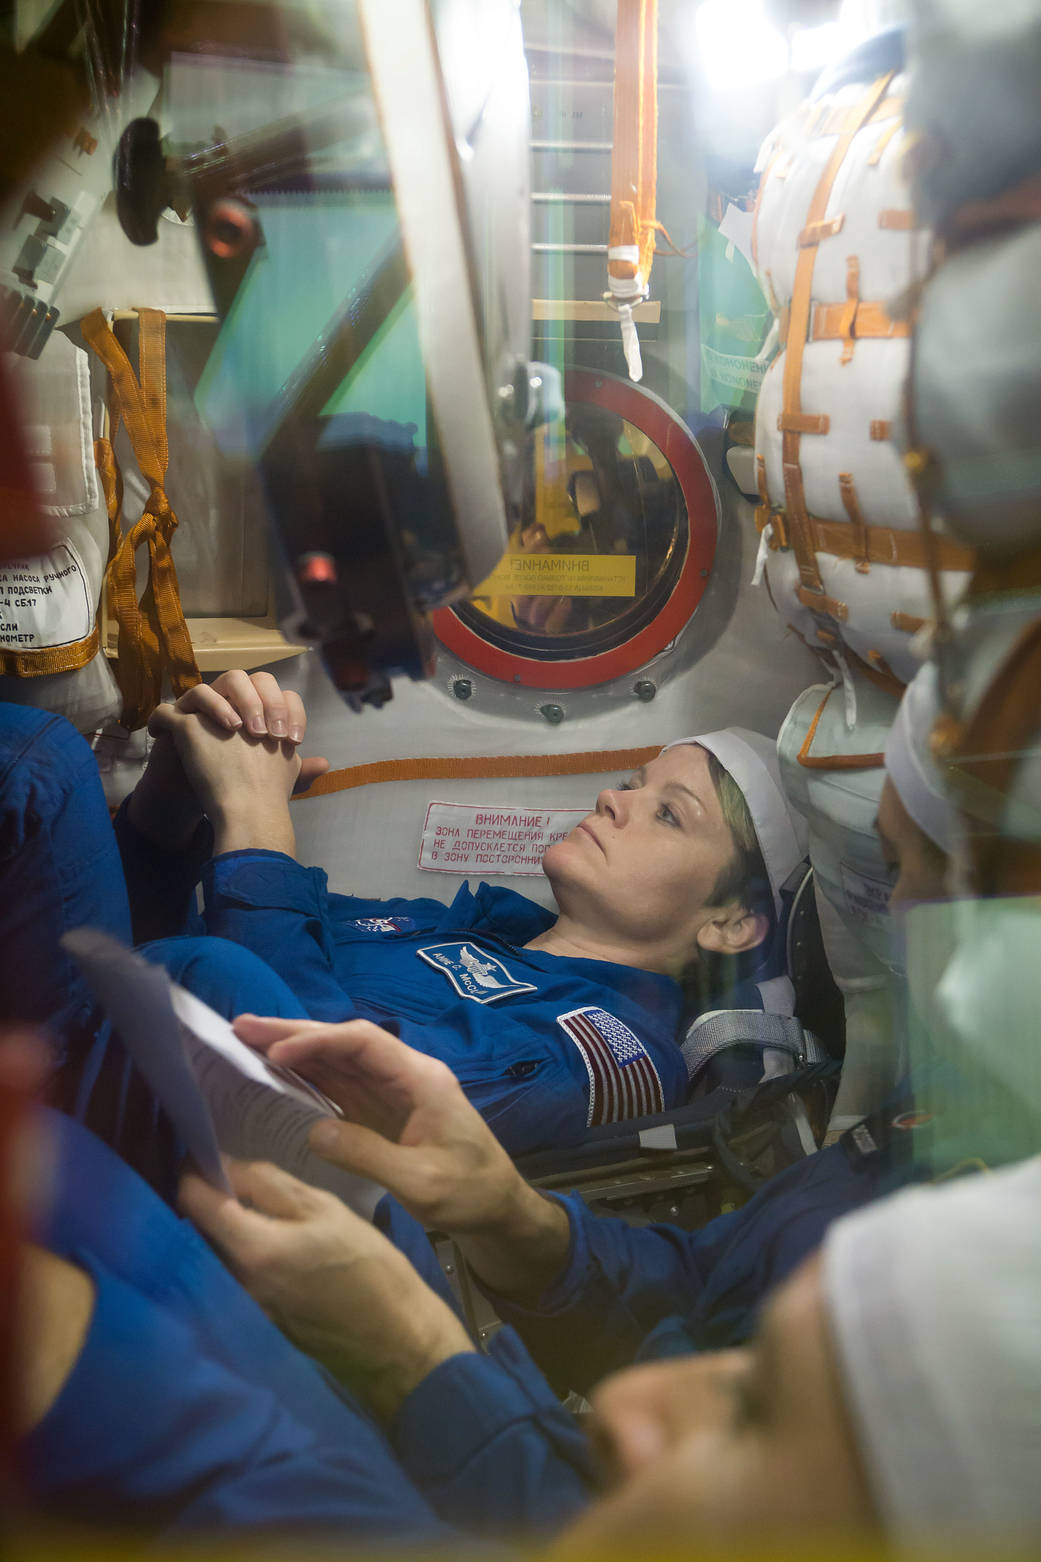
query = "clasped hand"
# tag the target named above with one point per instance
(228, 750)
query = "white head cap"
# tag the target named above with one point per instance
(752, 761)
(934, 1304)
(910, 764)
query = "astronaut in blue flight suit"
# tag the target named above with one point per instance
(597, 1295)
(551, 1024)
(587, 1293)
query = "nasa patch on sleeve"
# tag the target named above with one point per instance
(623, 1081)
(473, 973)
(385, 924)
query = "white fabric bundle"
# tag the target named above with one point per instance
(751, 759)
(874, 246)
(933, 1299)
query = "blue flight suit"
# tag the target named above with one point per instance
(542, 1044)
(627, 1294)
(188, 1411)
(59, 869)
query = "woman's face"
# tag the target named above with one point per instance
(734, 1443)
(642, 867)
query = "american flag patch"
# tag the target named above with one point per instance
(623, 1082)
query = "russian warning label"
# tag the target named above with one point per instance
(492, 838)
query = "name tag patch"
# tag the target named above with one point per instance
(385, 924)
(623, 1081)
(473, 973)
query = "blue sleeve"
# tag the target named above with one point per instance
(152, 1430)
(280, 910)
(507, 1457)
(161, 884)
(618, 1283)
(621, 1283)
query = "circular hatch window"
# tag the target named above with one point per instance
(614, 555)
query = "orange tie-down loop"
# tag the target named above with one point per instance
(634, 162)
(480, 767)
(153, 636)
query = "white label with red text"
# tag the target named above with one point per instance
(493, 837)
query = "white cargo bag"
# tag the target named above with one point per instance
(837, 250)
(49, 604)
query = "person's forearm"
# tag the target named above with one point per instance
(526, 1250)
(253, 829)
(168, 818)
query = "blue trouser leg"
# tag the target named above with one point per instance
(60, 869)
(231, 979)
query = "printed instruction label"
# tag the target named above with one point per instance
(733, 370)
(45, 601)
(562, 575)
(867, 900)
(492, 837)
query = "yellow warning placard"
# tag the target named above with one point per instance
(562, 575)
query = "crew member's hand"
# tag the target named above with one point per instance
(329, 1279)
(167, 805)
(410, 1127)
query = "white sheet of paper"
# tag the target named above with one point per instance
(220, 1094)
(737, 228)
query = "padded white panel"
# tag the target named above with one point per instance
(851, 879)
(858, 194)
(866, 389)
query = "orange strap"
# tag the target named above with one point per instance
(833, 761)
(883, 141)
(634, 161)
(837, 322)
(50, 659)
(875, 544)
(817, 227)
(153, 636)
(889, 108)
(479, 767)
(851, 505)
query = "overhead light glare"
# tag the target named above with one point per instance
(737, 44)
(815, 47)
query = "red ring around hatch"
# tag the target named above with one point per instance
(652, 417)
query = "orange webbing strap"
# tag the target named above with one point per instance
(50, 659)
(634, 167)
(153, 636)
(480, 767)
(838, 322)
(634, 160)
(833, 761)
(877, 544)
(799, 327)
